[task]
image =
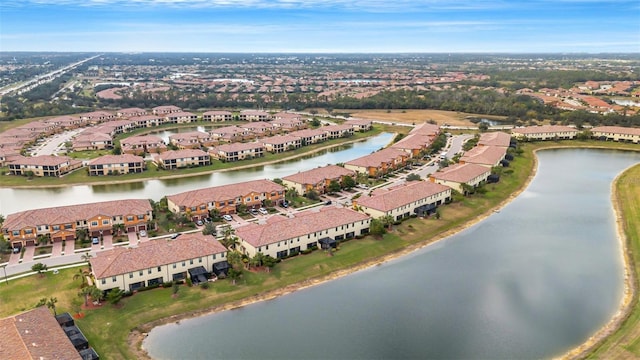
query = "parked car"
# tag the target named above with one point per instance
(142, 233)
(95, 241)
(16, 250)
(253, 211)
(263, 211)
(363, 186)
(227, 217)
(175, 236)
(199, 223)
(328, 202)
(285, 204)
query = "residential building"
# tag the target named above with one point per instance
(414, 144)
(310, 136)
(181, 117)
(166, 109)
(131, 112)
(379, 163)
(151, 263)
(89, 140)
(146, 121)
(192, 139)
(176, 159)
(116, 165)
(43, 165)
(455, 176)
(288, 124)
(616, 133)
(281, 143)
(401, 201)
(361, 125)
(60, 223)
(281, 236)
(143, 144)
(317, 179)
(489, 156)
(254, 115)
(8, 154)
(34, 335)
(226, 198)
(217, 115)
(545, 132)
(260, 128)
(67, 122)
(237, 151)
(497, 138)
(96, 117)
(231, 134)
(426, 129)
(338, 131)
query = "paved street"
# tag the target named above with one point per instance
(55, 144)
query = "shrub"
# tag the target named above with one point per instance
(167, 284)
(189, 282)
(204, 286)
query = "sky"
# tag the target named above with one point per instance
(321, 26)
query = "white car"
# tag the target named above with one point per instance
(263, 211)
(142, 233)
(227, 217)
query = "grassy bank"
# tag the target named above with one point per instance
(625, 342)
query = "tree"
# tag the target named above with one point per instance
(348, 182)
(257, 259)
(313, 195)
(387, 220)
(86, 257)
(291, 194)
(1, 219)
(234, 275)
(39, 268)
(82, 275)
(483, 126)
(334, 186)
(377, 228)
(90, 291)
(209, 229)
(114, 296)
(174, 289)
(229, 239)
(51, 304)
(413, 177)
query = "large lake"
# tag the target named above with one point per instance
(529, 282)
(14, 200)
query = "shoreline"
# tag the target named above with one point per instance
(629, 290)
(136, 337)
(201, 173)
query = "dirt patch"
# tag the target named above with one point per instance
(441, 117)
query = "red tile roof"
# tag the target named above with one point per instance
(224, 192)
(117, 159)
(393, 198)
(378, 157)
(317, 175)
(154, 253)
(305, 222)
(484, 155)
(461, 173)
(497, 138)
(180, 154)
(35, 334)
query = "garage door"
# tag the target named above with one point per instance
(56, 239)
(30, 242)
(106, 232)
(142, 227)
(70, 237)
(131, 229)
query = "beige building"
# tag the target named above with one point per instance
(488, 156)
(176, 159)
(310, 136)
(141, 144)
(237, 151)
(281, 143)
(616, 133)
(60, 223)
(380, 162)
(116, 165)
(92, 141)
(158, 261)
(456, 175)
(545, 132)
(254, 115)
(165, 109)
(402, 201)
(43, 165)
(191, 139)
(217, 115)
(181, 117)
(226, 198)
(317, 179)
(281, 236)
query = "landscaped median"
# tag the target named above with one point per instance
(109, 328)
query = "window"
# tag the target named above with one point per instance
(200, 260)
(214, 256)
(103, 281)
(159, 269)
(174, 266)
(148, 271)
(113, 279)
(191, 262)
(130, 218)
(140, 273)
(130, 275)
(105, 222)
(183, 263)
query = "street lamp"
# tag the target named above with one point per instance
(5, 274)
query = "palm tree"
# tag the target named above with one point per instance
(86, 257)
(90, 291)
(257, 259)
(387, 220)
(51, 304)
(39, 268)
(82, 275)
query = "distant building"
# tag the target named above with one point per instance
(176, 159)
(545, 132)
(455, 176)
(317, 179)
(116, 165)
(43, 165)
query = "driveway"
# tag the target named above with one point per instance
(133, 238)
(28, 253)
(15, 258)
(57, 249)
(69, 247)
(107, 241)
(54, 144)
